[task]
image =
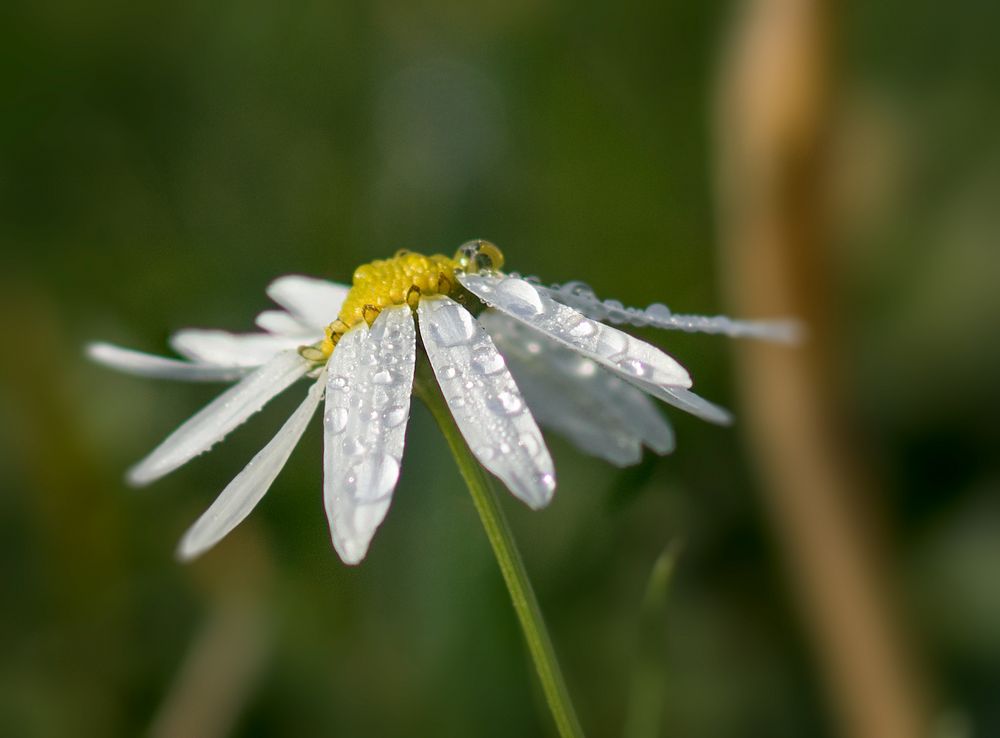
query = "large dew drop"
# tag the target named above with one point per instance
(520, 298)
(453, 326)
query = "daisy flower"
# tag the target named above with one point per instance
(507, 352)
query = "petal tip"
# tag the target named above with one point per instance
(186, 551)
(351, 554)
(139, 476)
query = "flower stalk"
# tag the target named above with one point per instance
(508, 557)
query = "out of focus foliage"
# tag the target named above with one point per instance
(161, 162)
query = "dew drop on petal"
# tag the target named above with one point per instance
(658, 311)
(448, 372)
(520, 298)
(583, 329)
(395, 415)
(636, 367)
(353, 447)
(547, 481)
(382, 376)
(336, 419)
(529, 443)
(505, 403)
(453, 327)
(338, 383)
(611, 343)
(487, 361)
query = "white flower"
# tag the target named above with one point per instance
(530, 347)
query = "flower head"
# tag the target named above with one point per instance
(507, 353)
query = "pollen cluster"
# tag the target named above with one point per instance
(401, 279)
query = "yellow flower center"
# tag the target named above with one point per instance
(402, 280)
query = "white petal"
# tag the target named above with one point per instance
(159, 367)
(230, 349)
(364, 424)
(314, 302)
(573, 416)
(689, 402)
(283, 324)
(580, 297)
(485, 401)
(241, 495)
(620, 352)
(223, 414)
(599, 412)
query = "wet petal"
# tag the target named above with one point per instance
(367, 405)
(600, 413)
(580, 297)
(230, 349)
(624, 354)
(159, 367)
(314, 302)
(241, 495)
(575, 418)
(215, 420)
(689, 402)
(485, 401)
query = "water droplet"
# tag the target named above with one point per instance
(487, 360)
(338, 383)
(547, 481)
(520, 298)
(336, 419)
(395, 415)
(529, 443)
(505, 403)
(452, 325)
(383, 376)
(636, 367)
(353, 446)
(583, 329)
(504, 447)
(457, 401)
(658, 311)
(611, 343)
(483, 286)
(448, 372)
(484, 453)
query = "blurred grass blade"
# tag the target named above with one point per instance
(647, 693)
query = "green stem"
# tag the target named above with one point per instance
(508, 557)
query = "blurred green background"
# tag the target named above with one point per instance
(161, 162)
